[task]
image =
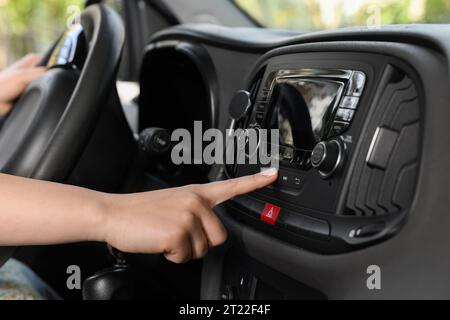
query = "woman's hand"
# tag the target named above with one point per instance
(16, 78)
(177, 222)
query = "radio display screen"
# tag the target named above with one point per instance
(301, 109)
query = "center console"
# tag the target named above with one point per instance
(348, 148)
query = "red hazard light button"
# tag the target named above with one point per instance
(270, 213)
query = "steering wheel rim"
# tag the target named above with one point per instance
(76, 122)
(105, 36)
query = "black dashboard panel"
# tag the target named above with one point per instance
(397, 200)
(322, 213)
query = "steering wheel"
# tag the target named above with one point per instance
(51, 123)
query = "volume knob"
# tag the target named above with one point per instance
(327, 157)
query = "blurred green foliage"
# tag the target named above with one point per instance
(31, 25)
(311, 15)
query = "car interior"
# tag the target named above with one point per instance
(363, 149)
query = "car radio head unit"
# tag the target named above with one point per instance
(308, 106)
(347, 150)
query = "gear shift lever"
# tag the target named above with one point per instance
(116, 283)
(119, 282)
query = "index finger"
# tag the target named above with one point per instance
(28, 75)
(218, 192)
(29, 61)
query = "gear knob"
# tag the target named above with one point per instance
(116, 283)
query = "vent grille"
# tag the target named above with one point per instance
(378, 191)
(253, 89)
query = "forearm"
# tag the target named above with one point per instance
(179, 222)
(38, 213)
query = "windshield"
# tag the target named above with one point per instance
(313, 15)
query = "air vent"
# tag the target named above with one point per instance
(256, 83)
(253, 89)
(385, 176)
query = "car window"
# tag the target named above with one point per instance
(311, 15)
(31, 26)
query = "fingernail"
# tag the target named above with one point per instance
(269, 172)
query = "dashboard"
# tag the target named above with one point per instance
(327, 119)
(363, 154)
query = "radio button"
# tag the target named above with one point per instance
(259, 117)
(284, 180)
(349, 103)
(291, 180)
(356, 84)
(265, 94)
(345, 115)
(260, 107)
(297, 182)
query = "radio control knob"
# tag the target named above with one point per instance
(327, 157)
